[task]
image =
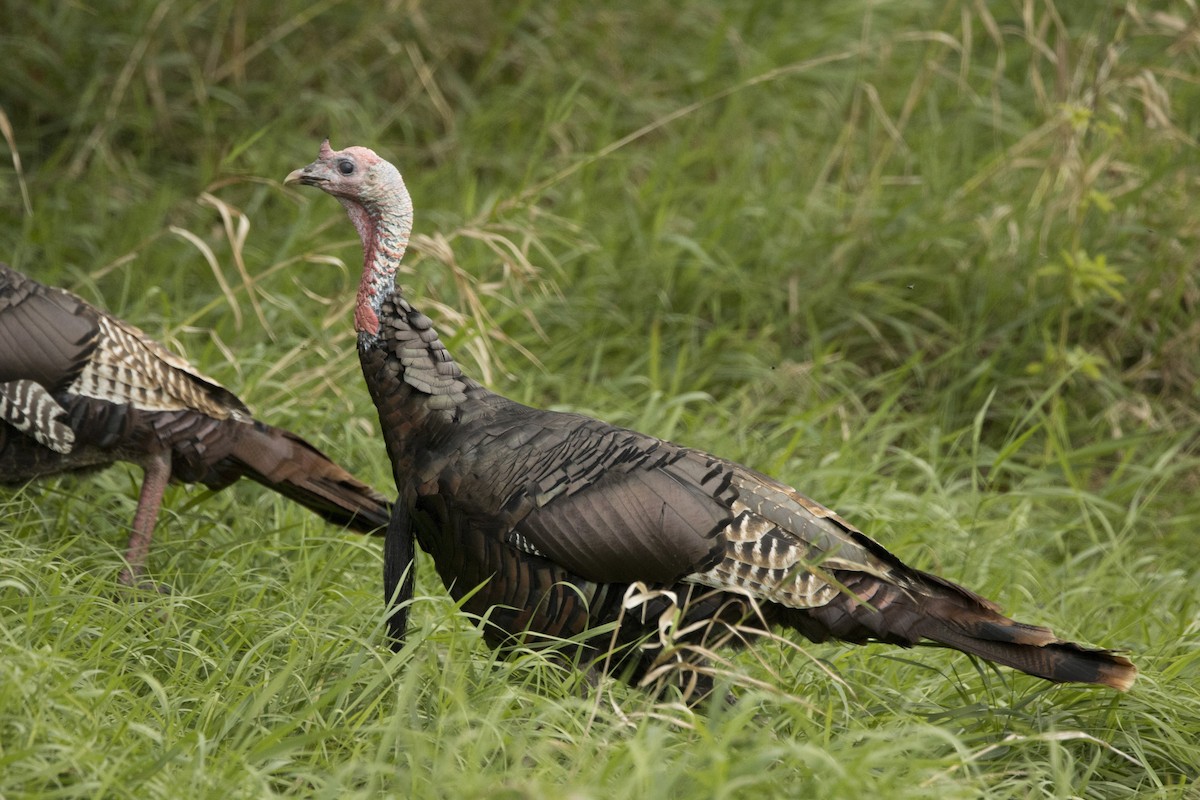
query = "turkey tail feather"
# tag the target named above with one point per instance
(1032, 650)
(286, 463)
(933, 608)
(959, 618)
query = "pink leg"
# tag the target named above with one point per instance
(154, 483)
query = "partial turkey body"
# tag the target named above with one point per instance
(543, 524)
(80, 390)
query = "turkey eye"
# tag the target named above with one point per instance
(346, 167)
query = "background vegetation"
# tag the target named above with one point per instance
(932, 262)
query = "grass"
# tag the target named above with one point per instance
(933, 263)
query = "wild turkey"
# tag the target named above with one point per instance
(80, 390)
(541, 522)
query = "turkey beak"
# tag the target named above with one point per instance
(304, 175)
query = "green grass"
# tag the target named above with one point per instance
(933, 263)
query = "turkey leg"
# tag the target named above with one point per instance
(154, 484)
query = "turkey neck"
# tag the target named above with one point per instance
(384, 227)
(407, 369)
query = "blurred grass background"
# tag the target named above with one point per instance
(934, 263)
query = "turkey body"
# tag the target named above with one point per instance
(548, 526)
(81, 390)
